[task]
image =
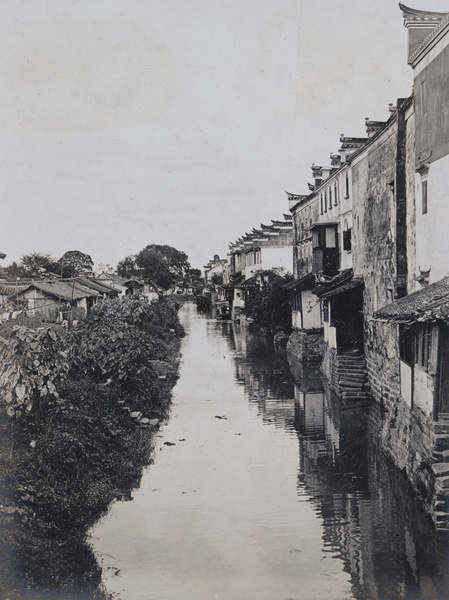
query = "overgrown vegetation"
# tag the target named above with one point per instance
(78, 413)
(267, 302)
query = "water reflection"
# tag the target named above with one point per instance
(372, 520)
(264, 486)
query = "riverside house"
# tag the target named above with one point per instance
(372, 253)
(269, 247)
(51, 298)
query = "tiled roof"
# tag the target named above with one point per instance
(8, 289)
(429, 304)
(352, 284)
(112, 277)
(342, 282)
(305, 283)
(97, 285)
(65, 290)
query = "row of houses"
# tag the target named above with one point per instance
(230, 280)
(66, 300)
(369, 252)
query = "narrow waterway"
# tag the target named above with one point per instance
(264, 487)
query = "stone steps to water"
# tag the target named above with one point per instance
(441, 427)
(440, 469)
(441, 441)
(356, 376)
(442, 520)
(353, 394)
(351, 382)
(352, 376)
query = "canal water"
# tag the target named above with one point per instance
(264, 487)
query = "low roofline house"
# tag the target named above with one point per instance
(114, 281)
(56, 298)
(131, 286)
(50, 299)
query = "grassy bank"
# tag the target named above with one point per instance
(78, 414)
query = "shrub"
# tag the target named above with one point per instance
(267, 303)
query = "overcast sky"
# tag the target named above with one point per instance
(180, 122)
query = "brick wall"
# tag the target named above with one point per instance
(403, 433)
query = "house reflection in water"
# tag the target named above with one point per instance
(371, 519)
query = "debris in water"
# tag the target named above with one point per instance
(221, 417)
(169, 443)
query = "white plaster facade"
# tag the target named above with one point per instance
(432, 220)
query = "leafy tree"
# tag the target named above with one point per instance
(74, 263)
(33, 265)
(155, 267)
(163, 265)
(195, 278)
(177, 260)
(128, 267)
(104, 268)
(268, 304)
(217, 278)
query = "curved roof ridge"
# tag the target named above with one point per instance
(415, 14)
(431, 35)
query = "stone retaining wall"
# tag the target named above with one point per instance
(306, 345)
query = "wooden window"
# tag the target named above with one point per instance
(321, 203)
(331, 241)
(335, 194)
(325, 201)
(424, 197)
(325, 306)
(423, 345)
(434, 347)
(296, 301)
(330, 198)
(347, 240)
(347, 186)
(406, 344)
(423, 98)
